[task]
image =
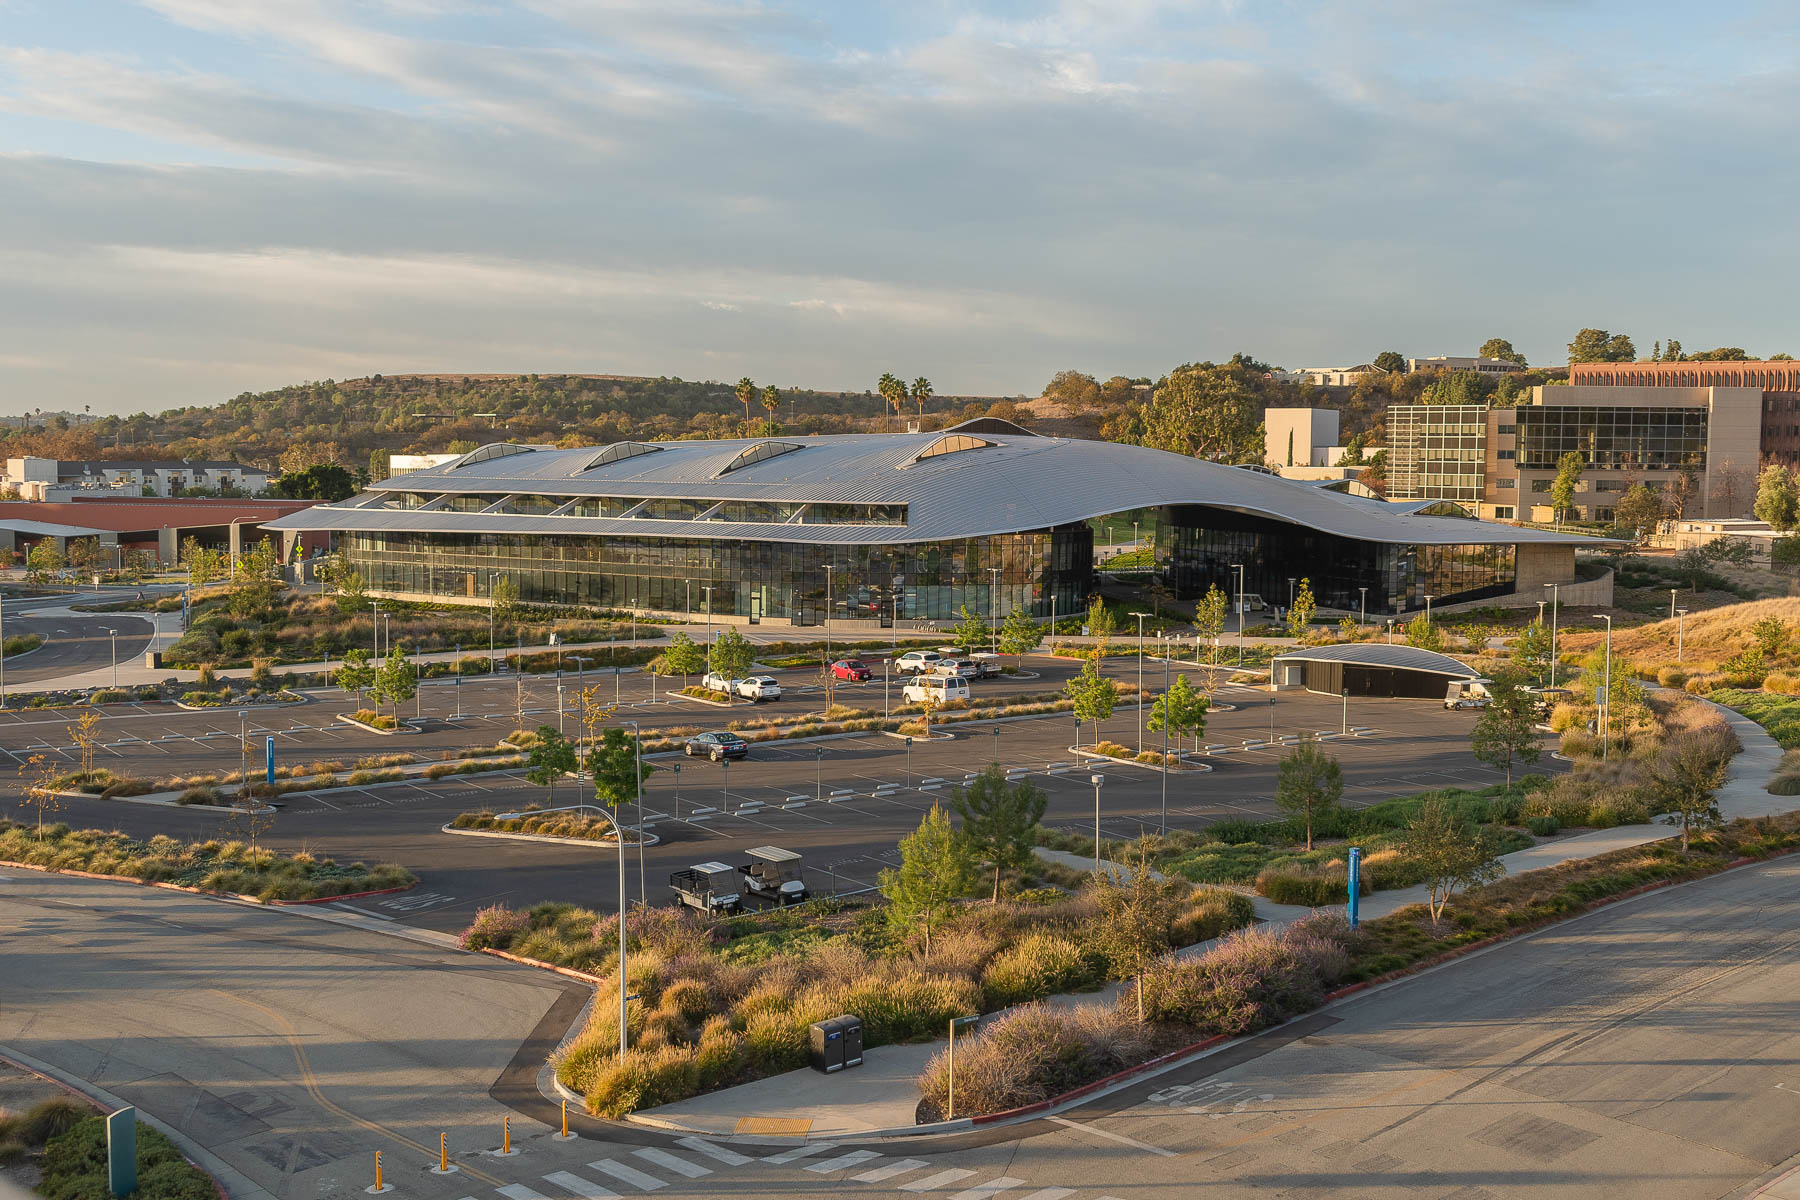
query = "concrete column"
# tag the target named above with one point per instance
(168, 549)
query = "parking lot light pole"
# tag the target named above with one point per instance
(1140, 705)
(819, 771)
(996, 732)
(637, 798)
(1606, 701)
(1097, 781)
(675, 770)
(492, 610)
(115, 656)
(909, 762)
(1680, 621)
(243, 750)
(1239, 568)
(1346, 695)
(994, 610)
(829, 568)
(1672, 592)
(725, 763)
(1363, 605)
(1555, 597)
(1164, 826)
(375, 625)
(708, 591)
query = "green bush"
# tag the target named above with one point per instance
(1039, 965)
(1314, 887)
(774, 1042)
(1543, 826)
(1672, 677)
(74, 1167)
(199, 795)
(643, 1079)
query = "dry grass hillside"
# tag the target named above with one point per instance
(1708, 637)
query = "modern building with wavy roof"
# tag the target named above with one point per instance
(886, 526)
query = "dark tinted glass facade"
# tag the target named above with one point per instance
(1435, 451)
(1611, 439)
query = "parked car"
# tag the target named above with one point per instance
(854, 669)
(717, 745)
(939, 689)
(759, 687)
(712, 681)
(962, 668)
(915, 661)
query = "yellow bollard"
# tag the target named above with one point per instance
(378, 1170)
(506, 1137)
(443, 1154)
(565, 1131)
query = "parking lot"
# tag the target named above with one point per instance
(843, 802)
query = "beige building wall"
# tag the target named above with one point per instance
(1291, 435)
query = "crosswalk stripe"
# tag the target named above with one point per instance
(730, 1158)
(984, 1191)
(579, 1186)
(625, 1174)
(843, 1160)
(811, 1148)
(889, 1171)
(932, 1183)
(680, 1166)
(518, 1191)
(1049, 1194)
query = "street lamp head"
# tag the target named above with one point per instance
(1096, 780)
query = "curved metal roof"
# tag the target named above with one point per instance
(1012, 481)
(1380, 654)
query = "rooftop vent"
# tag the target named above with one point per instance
(950, 443)
(491, 451)
(619, 452)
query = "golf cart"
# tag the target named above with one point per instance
(1468, 693)
(706, 886)
(774, 874)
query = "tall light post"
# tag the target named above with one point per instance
(1672, 592)
(1163, 826)
(1097, 781)
(243, 750)
(1140, 657)
(1555, 598)
(1345, 692)
(1390, 622)
(819, 771)
(637, 798)
(1428, 599)
(115, 656)
(1606, 700)
(2, 652)
(1363, 606)
(1239, 568)
(1291, 582)
(996, 732)
(619, 830)
(493, 609)
(375, 626)
(909, 761)
(709, 636)
(1680, 621)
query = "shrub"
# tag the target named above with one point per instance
(1314, 885)
(107, 696)
(1785, 683)
(199, 795)
(1745, 669)
(1704, 683)
(494, 927)
(1033, 1054)
(643, 1078)
(74, 1167)
(48, 1119)
(774, 1042)
(1249, 982)
(1543, 826)
(1672, 677)
(1039, 965)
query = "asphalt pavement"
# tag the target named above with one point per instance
(1647, 1050)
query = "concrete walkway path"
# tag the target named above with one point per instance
(882, 1095)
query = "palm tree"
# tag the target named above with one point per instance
(771, 400)
(746, 391)
(921, 392)
(893, 391)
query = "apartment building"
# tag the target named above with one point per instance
(50, 479)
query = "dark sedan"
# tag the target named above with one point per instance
(717, 746)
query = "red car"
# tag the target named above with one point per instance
(850, 668)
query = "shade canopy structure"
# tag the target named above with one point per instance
(1370, 669)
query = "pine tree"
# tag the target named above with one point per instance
(936, 869)
(1301, 614)
(1308, 785)
(1020, 634)
(998, 819)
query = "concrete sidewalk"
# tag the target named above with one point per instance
(882, 1095)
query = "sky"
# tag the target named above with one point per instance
(204, 197)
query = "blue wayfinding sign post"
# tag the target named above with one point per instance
(269, 758)
(1355, 884)
(121, 1152)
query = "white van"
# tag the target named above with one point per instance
(939, 689)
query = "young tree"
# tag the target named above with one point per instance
(1640, 509)
(1209, 626)
(998, 819)
(43, 560)
(1020, 635)
(971, 632)
(1300, 616)
(1100, 625)
(1531, 650)
(355, 674)
(1771, 633)
(1134, 918)
(352, 592)
(1562, 488)
(1093, 694)
(85, 733)
(682, 657)
(1506, 730)
(84, 555)
(1685, 778)
(395, 682)
(1685, 491)
(1182, 709)
(1423, 632)
(732, 654)
(613, 763)
(1308, 785)
(936, 869)
(503, 597)
(1450, 851)
(550, 758)
(1777, 500)
(40, 791)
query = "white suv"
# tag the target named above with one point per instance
(915, 661)
(759, 687)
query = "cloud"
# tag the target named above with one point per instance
(806, 192)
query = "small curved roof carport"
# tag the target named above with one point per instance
(1370, 669)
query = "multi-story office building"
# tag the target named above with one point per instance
(1452, 362)
(1777, 381)
(1501, 462)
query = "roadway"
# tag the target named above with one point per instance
(74, 643)
(1647, 1050)
(774, 797)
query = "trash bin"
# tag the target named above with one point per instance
(827, 1052)
(153, 660)
(853, 1038)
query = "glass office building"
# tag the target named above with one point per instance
(1611, 439)
(885, 527)
(1436, 452)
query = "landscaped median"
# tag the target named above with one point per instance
(586, 824)
(1257, 979)
(217, 789)
(214, 867)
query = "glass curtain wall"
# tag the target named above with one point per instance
(776, 581)
(1611, 439)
